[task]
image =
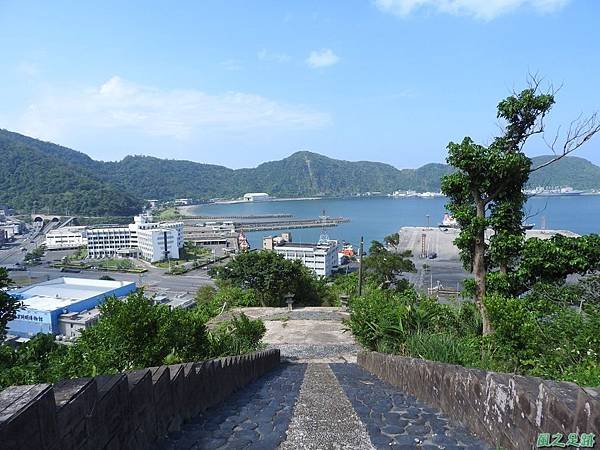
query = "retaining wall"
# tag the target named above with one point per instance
(503, 409)
(124, 411)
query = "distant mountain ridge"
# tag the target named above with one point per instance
(63, 179)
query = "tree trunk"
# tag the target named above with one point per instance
(479, 269)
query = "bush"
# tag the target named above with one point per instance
(210, 302)
(443, 347)
(130, 334)
(383, 320)
(546, 338)
(237, 336)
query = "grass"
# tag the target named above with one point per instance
(118, 264)
(168, 214)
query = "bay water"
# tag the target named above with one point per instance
(375, 217)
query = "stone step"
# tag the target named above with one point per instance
(322, 406)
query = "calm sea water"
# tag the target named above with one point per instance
(377, 217)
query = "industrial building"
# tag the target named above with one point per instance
(11, 229)
(256, 197)
(321, 258)
(70, 325)
(212, 234)
(66, 238)
(44, 303)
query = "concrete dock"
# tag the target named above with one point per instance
(445, 272)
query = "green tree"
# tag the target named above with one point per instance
(486, 190)
(270, 276)
(385, 268)
(8, 304)
(392, 240)
(552, 260)
(133, 333)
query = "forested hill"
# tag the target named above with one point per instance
(59, 178)
(572, 171)
(35, 174)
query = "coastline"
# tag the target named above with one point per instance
(185, 210)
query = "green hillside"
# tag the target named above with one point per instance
(58, 178)
(147, 177)
(36, 174)
(572, 171)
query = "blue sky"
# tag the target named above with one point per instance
(238, 83)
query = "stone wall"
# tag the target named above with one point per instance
(506, 410)
(123, 411)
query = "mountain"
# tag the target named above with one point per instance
(59, 178)
(573, 171)
(36, 174)
(306, 173)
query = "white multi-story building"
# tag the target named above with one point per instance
(151, 244)
(66, 238)
(109, 242)
(143, 238)
(321, 258)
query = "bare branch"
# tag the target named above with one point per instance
(580, 131)
(531, 215)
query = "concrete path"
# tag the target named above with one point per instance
(323, 416)
(321, 406)
(318, 399)
(307, 334)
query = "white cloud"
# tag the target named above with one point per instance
(28, 69)
(322, 58)
(266, 55)
(232, 65)
(480, 9)
(121, 104)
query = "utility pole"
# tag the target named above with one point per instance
(360, 266)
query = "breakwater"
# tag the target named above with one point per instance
(291, 224)
(186, 217)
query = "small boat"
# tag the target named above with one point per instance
(347, 250)
(449, 222)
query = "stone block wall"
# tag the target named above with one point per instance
(123, 411)
(506, 410)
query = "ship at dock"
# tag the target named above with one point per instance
(450, 222)
(565, 191)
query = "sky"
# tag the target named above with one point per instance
(237, 82)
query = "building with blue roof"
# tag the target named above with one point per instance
(43, 303)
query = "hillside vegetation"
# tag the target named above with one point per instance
(60, 179)
(35, 175)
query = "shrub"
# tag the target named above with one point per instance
(383, 320)
(443, 347)
(237, 336)
(539, 336)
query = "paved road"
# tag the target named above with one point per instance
(321, 406)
